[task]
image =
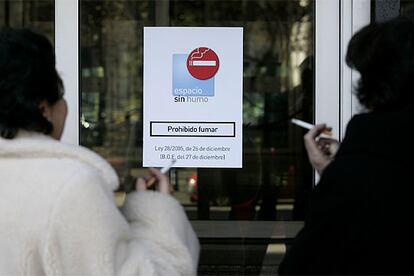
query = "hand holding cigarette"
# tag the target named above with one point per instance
(326, 133)
(320, 146)
(156, 176)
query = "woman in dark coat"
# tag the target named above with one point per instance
(360, 218)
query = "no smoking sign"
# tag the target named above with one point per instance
(203, 63)
(197, 79)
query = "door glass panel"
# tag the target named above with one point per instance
(278, 82)
(406, 5)
(38, 15)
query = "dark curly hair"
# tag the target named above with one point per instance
(27, 77)
(383, 53)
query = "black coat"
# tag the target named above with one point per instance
(361, 214)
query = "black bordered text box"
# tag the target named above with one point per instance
(192, 129)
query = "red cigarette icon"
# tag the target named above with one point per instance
(202, 63)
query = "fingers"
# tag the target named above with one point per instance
(309, 139)
(163, 182)
(334, 146)
(155, 176)
(316, 131)
(327, 131)
(162, 179)
(140, 185)
(150, 181)
(328, 146)
(317, 150)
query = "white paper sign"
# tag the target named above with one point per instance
(193, 97)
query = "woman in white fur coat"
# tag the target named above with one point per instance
(57, 213)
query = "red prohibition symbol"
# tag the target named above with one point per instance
(202, 63)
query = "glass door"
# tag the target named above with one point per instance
(37, 15)
(278, 85)
(292, 69)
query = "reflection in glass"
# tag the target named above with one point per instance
(278, 85)
(38, 15)
(406, 5)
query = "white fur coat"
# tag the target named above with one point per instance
(58, 217)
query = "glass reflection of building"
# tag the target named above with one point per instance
(37, 15)
(278, 84)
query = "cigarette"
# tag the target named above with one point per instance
(202, 63)
(302, 123)
(326, 133)
(151, 181)
(167, 168)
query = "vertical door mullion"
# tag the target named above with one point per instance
(355, 14)
(335, 23)
(346, 72)
(67, 62)
(327, 63)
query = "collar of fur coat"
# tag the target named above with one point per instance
(37, 145)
